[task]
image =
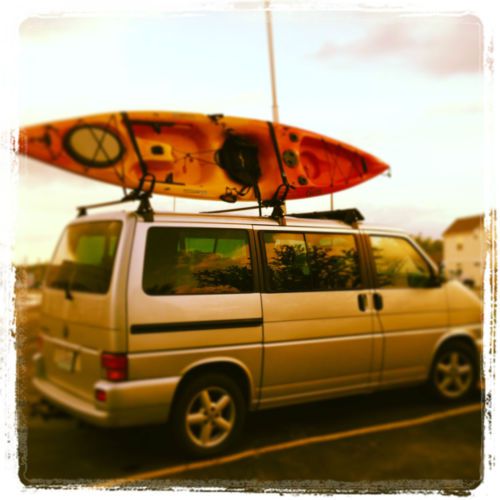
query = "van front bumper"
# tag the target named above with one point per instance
(135, 402)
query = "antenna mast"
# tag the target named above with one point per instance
(271, 58)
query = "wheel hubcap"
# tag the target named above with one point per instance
(453, 374)
(210, 417)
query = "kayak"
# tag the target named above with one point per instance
(200, 156)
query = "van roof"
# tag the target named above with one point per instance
(291, 220)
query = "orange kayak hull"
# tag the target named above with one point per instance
(200, 156)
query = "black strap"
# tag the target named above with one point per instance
(128, 126)
(277, 152)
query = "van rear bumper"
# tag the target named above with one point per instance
(127, 403)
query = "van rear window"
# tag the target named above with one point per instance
(84, 259)
(185, 261)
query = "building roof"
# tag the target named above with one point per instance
(464, 225)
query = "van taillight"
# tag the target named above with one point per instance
(100, 395)
(115, 365)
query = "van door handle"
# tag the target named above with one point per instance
(362, 300)
(378, 301)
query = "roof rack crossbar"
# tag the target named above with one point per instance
(226, 210)
(145, 210)
(350, 216)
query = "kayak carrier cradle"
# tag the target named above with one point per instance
(145, 210)
(277, 203)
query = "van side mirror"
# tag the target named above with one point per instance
(418, 280)
(443, 278)
(435, 281)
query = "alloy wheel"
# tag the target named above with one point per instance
(210, 417)
(453, 374)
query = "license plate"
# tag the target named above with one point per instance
(63, 358)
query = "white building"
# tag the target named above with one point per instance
(464, 251)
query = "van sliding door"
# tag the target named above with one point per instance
(318, 323)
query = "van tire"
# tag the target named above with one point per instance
(454, 372)
(208, 415)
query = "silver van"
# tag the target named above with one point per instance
(196, 319)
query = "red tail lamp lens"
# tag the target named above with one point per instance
(115, 366)
(100, 395)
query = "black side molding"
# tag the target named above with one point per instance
(195, 325)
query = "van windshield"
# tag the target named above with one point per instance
(84, 259)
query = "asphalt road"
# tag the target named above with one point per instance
(445, 454)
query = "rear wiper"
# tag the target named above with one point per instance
(67, 291)
(67, 285)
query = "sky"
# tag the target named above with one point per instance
(408, 87)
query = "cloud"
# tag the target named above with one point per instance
(438, 46)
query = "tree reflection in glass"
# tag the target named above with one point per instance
(225, 277)
(289, 269)
(183, 261)
(298, 262)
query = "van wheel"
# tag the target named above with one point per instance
(454, 372)
(208, 416)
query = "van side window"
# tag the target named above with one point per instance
(398, 264)
(183, 261)
(312, 261)
(287, 266)
(334, 261)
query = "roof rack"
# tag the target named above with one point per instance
(144, 209)
(350, 216)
